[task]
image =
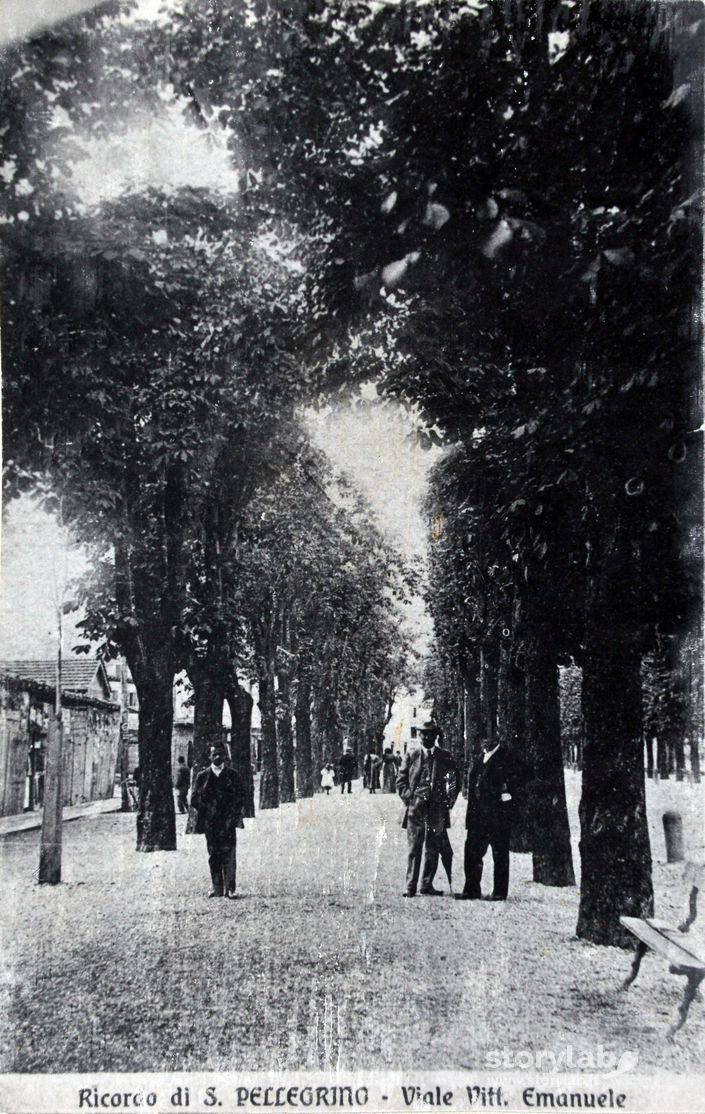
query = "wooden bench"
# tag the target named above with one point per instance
(685, 955)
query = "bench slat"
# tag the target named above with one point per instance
(670, 943)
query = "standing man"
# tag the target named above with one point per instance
(492, 783)
(347, 769)
(218, 799)
(428, 784)
(181, 783)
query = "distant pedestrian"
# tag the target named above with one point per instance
(389, 772)
(182, 783)
(397, 760)
(327, 778)
(492, 784)
(133, 788)
(347, 769)
(428, 784)
(218, 799)
(373, 775)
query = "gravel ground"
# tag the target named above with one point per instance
(320, 964)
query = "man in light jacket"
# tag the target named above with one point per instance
(428, 784)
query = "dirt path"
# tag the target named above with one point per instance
(320, 964)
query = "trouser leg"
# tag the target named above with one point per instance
(446, 856)
(415, 835)
(430, 860)
(215, 863)
(476, 844)
(230, 866)
(500, 855)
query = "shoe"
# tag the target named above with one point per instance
(467, 897)
(409, 893)
(430, 892)
(493, 897)
(231, 894)
(215, 893)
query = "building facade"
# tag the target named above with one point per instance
(91, 722)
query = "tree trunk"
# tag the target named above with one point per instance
(285, 740)
(240, 703)
(695, 759)
(458, 747)
(489, 669)
(473, 713)
(148, 646)
(547, 812)
(614, 846)
(316, 744)
(511, 728)
(304, 769)
(156, 821)
(662, 759)
(331, 737)
(512, 734)
(269, 783)
(678, 750)
(205, 677)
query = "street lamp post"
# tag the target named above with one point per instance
(125, 801)
(52, 814)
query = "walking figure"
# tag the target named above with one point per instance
(327, 778)
(347, 769)
(133, 788)
(372, 764)
(218, 799)
(389, 772)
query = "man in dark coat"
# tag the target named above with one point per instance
(428, 784)
(346, 769)
(492, 785)
(218, 799)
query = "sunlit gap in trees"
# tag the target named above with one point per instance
(163, 152)
(374, 442)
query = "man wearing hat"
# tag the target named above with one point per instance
(428, 784)
(493, 782)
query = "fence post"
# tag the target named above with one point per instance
(673, 832)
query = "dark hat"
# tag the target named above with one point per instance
(429, 728)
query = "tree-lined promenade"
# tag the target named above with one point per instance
(320, 958)
(489, 209)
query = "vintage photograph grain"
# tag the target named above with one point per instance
(351, 574)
